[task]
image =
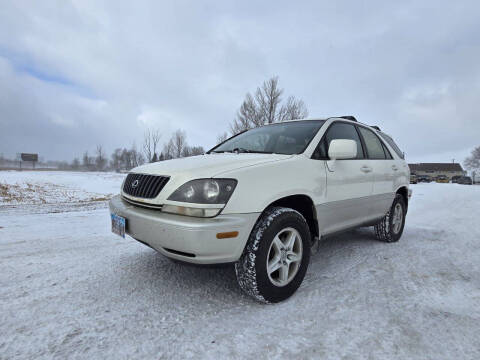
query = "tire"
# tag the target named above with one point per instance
(387, 229)
(290, 258)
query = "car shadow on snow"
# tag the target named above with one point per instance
(343, 250)
(158, 274)
(151, 273)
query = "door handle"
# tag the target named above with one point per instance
(394, 167)
(366, 168)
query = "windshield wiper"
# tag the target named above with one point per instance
(241, 150)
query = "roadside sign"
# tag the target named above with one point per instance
(29, 157)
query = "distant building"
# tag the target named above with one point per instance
(435, 169)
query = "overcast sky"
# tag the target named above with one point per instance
(74, 74)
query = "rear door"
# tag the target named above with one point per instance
(349, 183)
(384, 172)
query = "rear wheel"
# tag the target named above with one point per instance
(276, 256)
(390, 228)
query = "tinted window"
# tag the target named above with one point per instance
(394, 146)
(373, 144)
(282, 138)
(387, 152)
(338, 131)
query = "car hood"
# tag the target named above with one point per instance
(208, 165)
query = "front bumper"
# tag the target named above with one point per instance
(186, 238)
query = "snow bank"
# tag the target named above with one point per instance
(47, 187)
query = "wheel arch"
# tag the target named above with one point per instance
(403, 190)
(304, 205)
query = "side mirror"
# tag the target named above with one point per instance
(342, 149)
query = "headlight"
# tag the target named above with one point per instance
(207, 196)
(205, 191)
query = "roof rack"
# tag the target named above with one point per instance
(348, 117)
(375, 127)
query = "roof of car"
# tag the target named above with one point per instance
(343, 117)
(346, 117)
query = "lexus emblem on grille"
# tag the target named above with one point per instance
(135, 183)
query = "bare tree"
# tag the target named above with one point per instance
(186, 151)
(222, 137)
(147, 145)
(292, 109)
(155, 140)
(266, 108)
(177, 147)
(116, 160)
(268, 99)
(140, 159)
(136, 156)
(151, 138)
(179, 142)
(86, 161)
(169, 150)
(473, 161)
(197, 150)
(248, 116)
(126, 159)
(192, 151)
(100, 159)
(75, 164)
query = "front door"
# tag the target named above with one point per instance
(349, 183)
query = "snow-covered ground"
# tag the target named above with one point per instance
(56, 187)
(70, 289)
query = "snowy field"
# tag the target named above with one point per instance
(56, 187)
(70, 289)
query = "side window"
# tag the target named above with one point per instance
(373, 144)
(338, 130)
(394, 146)
(388, 154)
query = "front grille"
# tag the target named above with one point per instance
(144, 186)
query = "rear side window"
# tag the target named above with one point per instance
(338, 130)
(388, 154)
(394, 146)
(373, 144)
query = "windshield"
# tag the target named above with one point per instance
(282, 138)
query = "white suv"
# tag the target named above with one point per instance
(261, 198)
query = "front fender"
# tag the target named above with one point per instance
(260, 186)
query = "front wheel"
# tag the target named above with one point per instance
(276, 256)
(390, 228)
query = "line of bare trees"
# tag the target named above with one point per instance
(175, 147)
(123, 159)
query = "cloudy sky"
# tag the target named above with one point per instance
(74, 74)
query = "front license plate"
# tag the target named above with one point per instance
(118, 225)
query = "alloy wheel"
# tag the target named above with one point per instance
(284, 256)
